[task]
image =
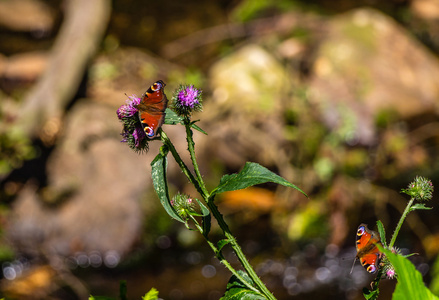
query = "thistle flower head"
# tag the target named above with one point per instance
(132, 132)
(187, 99)
(183, 204)
(388, 268)
(421, 189)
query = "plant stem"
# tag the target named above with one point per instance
(201, 188)
(180, 162)
(221, 222)
(221, 258)
(401, 220)
(235, 246)
(191, 148)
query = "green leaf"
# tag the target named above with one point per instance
(250, 175)
(153, 294)
(158, 174)
(419, 206)
(236, 290)
(123, 290)
(206, 218)
(222, 243)
(171, 118)
(382, 233)
(196, 127)
(370, 295)
(410, 284)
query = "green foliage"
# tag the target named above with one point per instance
(172, 118)
(371, 295)
(153, 294)
(158, 175)
(206, 217)
(123, 290)
(382, 233)
(434, 286)
(236, 290)
(250, 9)
(15, 149)
(250, 175)
(419, 206)
(410, 284)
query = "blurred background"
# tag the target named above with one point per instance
(340, 97)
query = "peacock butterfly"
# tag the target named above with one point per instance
(152, 108)
(367, 250)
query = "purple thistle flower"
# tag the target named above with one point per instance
(128, 110)
(139, 135)
(390, 273)
(132, 132)
(187, 99)
(188, 96)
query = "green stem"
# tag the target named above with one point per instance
(221, 258)
(241, 257)
(180, 162)
(191, 148)
(201, 188)
(401, 220)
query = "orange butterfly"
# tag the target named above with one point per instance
(152, 108)
(367, 250)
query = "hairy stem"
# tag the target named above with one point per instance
(221, 258)
(401, 220)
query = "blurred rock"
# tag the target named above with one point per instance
(366, 65)
(91, 203)
(22, 68)
(245, 112)
(426, 9)
(26, 15)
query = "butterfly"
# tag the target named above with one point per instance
(152, 108)
(367, 250)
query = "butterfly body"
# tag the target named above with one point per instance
(152, 108)
(367, 250)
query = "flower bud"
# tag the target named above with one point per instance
(421, 189)
(183, 205)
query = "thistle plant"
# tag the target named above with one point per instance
(394, 264)
(186, 100)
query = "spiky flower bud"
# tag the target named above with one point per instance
(183, 204)
(421, 189)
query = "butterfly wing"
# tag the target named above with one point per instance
(152, 108)
(367, 251)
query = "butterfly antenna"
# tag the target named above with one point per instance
(353, 264)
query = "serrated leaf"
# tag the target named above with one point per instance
(370, 295)
(419, 206)
(221, 243)
(171, 118)
(158, 174)
(250, 175)
(410, 284)
(198, 128)
(236, 290)
(153, 294)
(206, 218)
(382, 233)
